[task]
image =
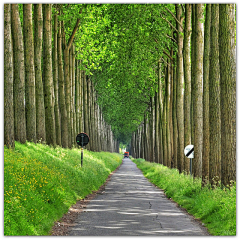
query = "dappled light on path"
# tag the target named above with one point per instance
(132, 206)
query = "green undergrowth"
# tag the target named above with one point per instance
(42, 182)
(216, 208)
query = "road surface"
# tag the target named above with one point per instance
(132, 206)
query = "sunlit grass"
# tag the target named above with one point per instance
(216, 208)
(41, 183)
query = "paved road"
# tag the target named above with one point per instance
(132, 206)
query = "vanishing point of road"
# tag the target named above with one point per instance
(132, 206)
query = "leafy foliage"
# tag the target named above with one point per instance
(120, 45)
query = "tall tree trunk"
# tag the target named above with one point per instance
(171, 69)
(74, 99)
(187, 83)
(29, 73)
(180, 90)
(38, 36)
(61, 89)
(55, 82)
(175, 129)
(19, 77)
(193, 62)
(205, 162)
(151, 152)
(8, 80)
(214, 99)
(164, 130)
(160, 97)
(168, 133)
(197, 95)
(77, 105)
(228, 91)
(47, 75)
(68, 94)
(157, 130)
(71, 93)
(85, 104)
(81, 101)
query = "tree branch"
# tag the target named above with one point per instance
(174, 17)
(167, 54)
(168, 23)
(173, 39)
(70, 40)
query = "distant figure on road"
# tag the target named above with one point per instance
(126, 154)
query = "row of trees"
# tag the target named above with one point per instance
(196, 101)
(159, 75)
(48, 96)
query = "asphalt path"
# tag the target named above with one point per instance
(132, 206)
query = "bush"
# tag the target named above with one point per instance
(216, 208)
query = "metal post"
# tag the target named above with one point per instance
(190, 166)
(81, 157)
(82, 152)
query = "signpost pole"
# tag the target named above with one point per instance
(190, 166)
(82, 140)
(81, 156)
(82, 151)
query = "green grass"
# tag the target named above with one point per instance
(42, 182)
(215, 208)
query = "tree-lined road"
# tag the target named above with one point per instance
(132, 206)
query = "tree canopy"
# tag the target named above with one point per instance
(120, 46)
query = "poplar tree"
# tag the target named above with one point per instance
(227, 44)
(40, 110)
(214, 100)
(19, 77)
(197, 92)
(8, 80)
(47, 75)
(29, 73)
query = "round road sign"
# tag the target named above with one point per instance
(82, 139)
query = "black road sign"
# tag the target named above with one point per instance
(82, 139)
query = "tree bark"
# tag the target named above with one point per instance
(187, 82)
(180, 90)
(160, 113)
(197, 94)
(214, 100)
(157, 129)
(19, 77)
(164, 130)
(55, 82)
(175, 129)
(47, 75)
(85, 104)
(205, 162)
(38, 36)
(29, 73)
(228, 91)
(9, 140)
(68, 94)
(193, 62)
(61, 89)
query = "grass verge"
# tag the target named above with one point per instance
(42, 182)
(215, 208)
